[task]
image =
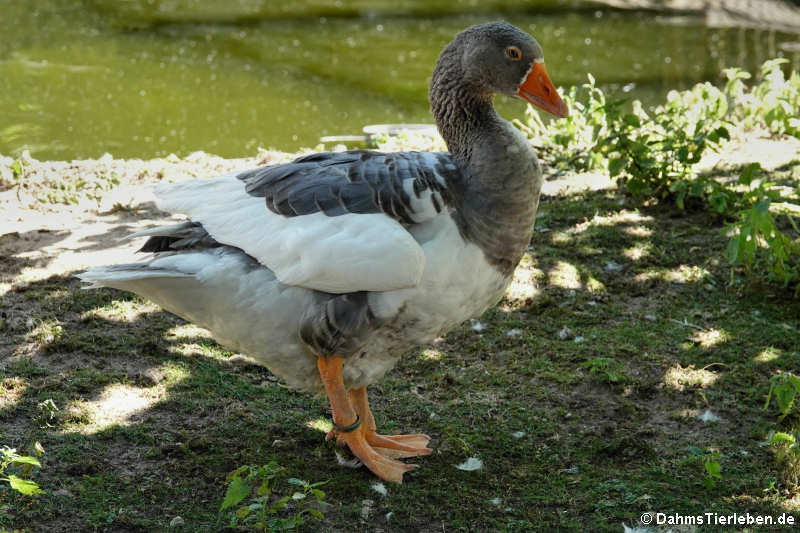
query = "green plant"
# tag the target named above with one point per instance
(711, 465)
(726, 198)
(756, 242)
(569, 142)
(759, 245)
(773, 103)
(15, 179)
(71, 193)
(656, 155)
(258, 484)
(24, 464)
(17, 169)
(787, 455)
(785, 387)
(650, 155)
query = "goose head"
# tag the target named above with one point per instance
(508, 61)
(497, 57)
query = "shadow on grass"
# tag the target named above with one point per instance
(124, 219)
(152, 417)
(183, 417)
(15, 248)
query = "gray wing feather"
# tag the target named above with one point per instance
(339, 327)
(181, 236)
(356, 181)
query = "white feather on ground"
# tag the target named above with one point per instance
(380, 488)
(708, 416)
(471, 464)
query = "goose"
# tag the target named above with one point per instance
(328, 268)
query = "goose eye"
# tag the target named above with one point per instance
(513, 53)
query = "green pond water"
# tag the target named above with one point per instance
(145, 78)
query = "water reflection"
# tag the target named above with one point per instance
(74, 85)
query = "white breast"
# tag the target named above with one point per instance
(457, 284)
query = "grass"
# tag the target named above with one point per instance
(581, 396)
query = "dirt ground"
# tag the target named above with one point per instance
(53, 237)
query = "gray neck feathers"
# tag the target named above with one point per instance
(496, 197)
(460, 108)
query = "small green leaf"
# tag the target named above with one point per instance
(316, 514)
(298, 496)
(24, 486)
(782, 438)
(238, 472)
(278, 505)
(714, 469)
(784, 395)
(17, 169)
(632, 120)
(295, 481)
(733, 249)
(264, 489)
(751, 171)
(237, 491)
(25, 460)
(615, 166)
(320, 495)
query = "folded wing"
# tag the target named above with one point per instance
(334, 222)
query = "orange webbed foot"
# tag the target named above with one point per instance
(382, 465)
(394, 446)
(400, 446)
(354, 426)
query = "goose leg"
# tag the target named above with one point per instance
(349, 431)
(394, 446)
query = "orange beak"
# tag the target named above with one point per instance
(537, 89)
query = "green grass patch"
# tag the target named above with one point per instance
(589, 402)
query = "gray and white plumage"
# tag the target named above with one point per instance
(406, 186)
(359, 254)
